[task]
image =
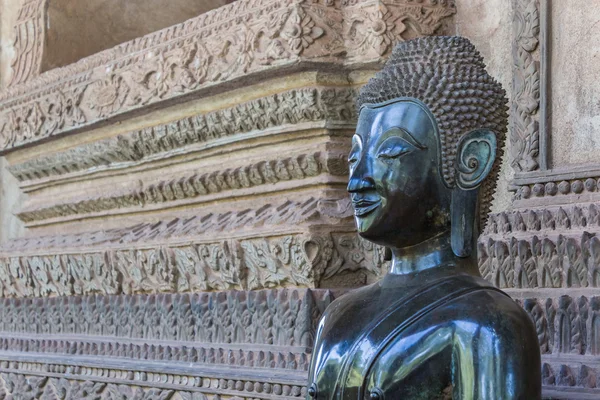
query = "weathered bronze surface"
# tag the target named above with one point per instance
(422, 168)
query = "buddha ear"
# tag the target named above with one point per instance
(475, 156)
(476, 153)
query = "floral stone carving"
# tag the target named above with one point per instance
(202, 53)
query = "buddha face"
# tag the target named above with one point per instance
(395, 186)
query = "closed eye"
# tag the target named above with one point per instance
(394, 147)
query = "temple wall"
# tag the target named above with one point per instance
(489, 26)
(174, 210)
(11, 195)
(575, 48)
(181, 197)
(543, 248)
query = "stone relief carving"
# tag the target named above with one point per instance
(257, 329)
(18, 385)
(292, 107)
(202, 52)
(29, 41)
(557, 188)
(284, 212)
(553, 248)
(563, 262)
(258, 317)
(525, 135)
(581, 376)
(565, 325)
(299, 260)
(176, 188)
(288, 360)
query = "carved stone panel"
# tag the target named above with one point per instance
(190, 346)
(202, 53)
(184, 195)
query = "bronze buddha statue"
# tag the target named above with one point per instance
(423, 167)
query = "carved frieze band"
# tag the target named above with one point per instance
(567, 327)
(287, 214)
(550, 220)
(206, 51)
(208, 327)
(583, 379)
(525, 121)
(278, 317)
(299, 260)
(190, 187)
(552, 188)
(156, 351)
(27, 380)
(270, 329)
(554, 248)
(292, 107)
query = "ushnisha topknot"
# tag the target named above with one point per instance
(448, 75)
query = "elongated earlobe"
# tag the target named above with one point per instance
(463, 217)
(476, 153)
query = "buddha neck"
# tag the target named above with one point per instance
(432, 253)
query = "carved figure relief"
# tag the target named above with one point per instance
(290, 260)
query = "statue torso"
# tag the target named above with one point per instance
(400, 338)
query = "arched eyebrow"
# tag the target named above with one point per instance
(404, 134)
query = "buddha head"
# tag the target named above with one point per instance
(426, 152)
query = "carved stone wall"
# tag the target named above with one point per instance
(544, 247)
(183, 206)
(183, 199)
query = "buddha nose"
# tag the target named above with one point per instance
(356, 185)
(361, 178)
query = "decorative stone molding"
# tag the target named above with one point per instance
(164, 140)
(190, 255)
(298, 260)
(567, 325)
(123, 384)
(543, 221)
(576, 380)
(551, 188)
(161, 342)
(286, 215)
(242, 39)
(188, 187)
(293, 359)
(555, 248)
(525, 130)
(209, 321)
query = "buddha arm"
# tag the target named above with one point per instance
(496, 357)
